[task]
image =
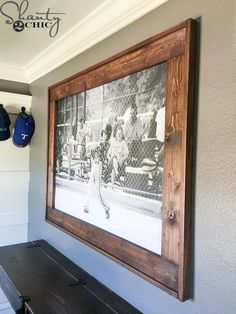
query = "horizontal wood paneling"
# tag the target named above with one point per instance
(14, 177)
(13, 234)
(5, 307)
(11, 219)
(14, 191)
(13, 158)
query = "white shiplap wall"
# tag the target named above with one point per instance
(5, 307)
(14, 184)
(14, 177)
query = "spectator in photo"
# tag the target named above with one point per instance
(133, 132)
(108, 129)
(104, 147)
(154, 169)
(133, 128)
(152, 123)
(104, 143)
(117, 154)
(157, 175)
(82, 133)
(59, 151)
(115, 126)
(160, 125)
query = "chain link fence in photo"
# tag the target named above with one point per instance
(122, 124)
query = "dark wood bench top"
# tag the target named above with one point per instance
(36, 278)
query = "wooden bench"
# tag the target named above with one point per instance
(36, 278)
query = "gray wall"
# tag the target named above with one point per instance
(14, 87)
(214, 279)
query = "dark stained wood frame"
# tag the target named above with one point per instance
(177, 47)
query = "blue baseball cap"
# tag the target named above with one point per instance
(4, 124)
(24, 129)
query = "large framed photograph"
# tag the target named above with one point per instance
(120, 157)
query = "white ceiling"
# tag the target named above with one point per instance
(25, 56)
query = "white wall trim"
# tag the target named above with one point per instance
(105, 20)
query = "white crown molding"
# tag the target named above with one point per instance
(107, 19)
(12, 73)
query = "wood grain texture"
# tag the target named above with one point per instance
(151, 53)
(174, 161)
(178, 165)
(38, 278)
(14, 176)
(149, 264)
(51, 154)
(176, 47)
(189, 112)
(176, 28)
